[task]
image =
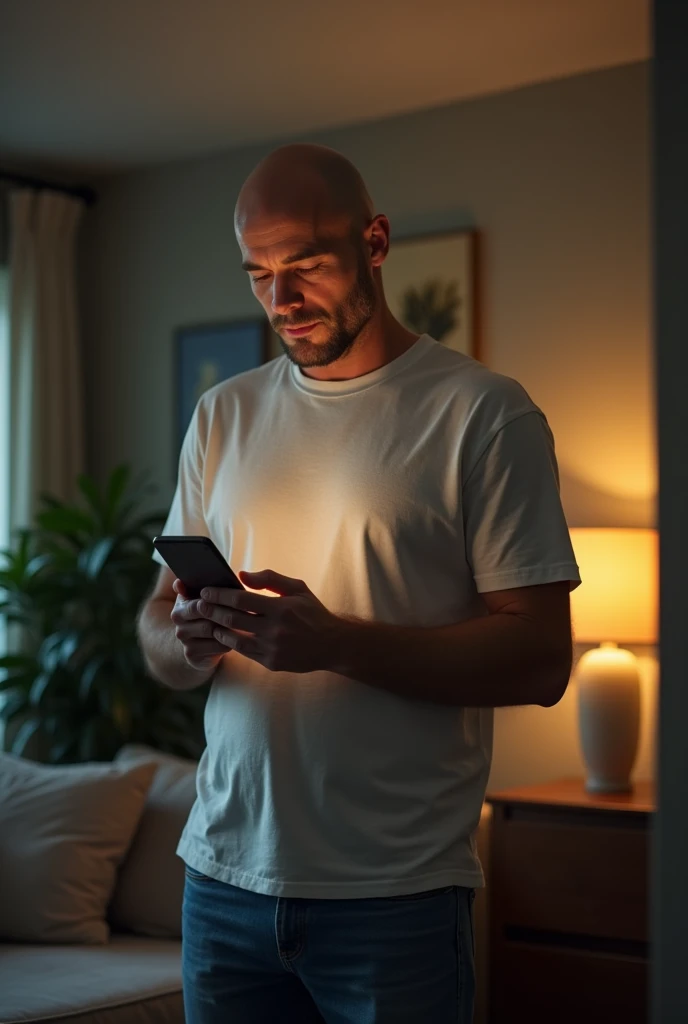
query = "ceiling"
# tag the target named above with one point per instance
(96, 87)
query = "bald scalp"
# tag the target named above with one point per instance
(304, 179)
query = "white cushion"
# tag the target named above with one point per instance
(63, 832)
(150, 884)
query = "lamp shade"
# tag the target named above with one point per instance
(617, 600)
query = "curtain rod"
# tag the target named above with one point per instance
(79, 191)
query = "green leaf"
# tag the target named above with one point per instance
(41, 684)
(37, 564)
(17, 661)
(63, 750)
(88, 741)
(50, 650)
(50, 501)
(89, 675)
(14, 572)
(63, 519)
(92, 560)
(20, 681)
(89, 489)
(107, 686)
(17, 618)
(117, 485)
(26, 732)
(69, 647)
(58, 648)
(14, 700)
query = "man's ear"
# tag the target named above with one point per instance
(377, 238)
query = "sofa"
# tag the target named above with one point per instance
(91, 890)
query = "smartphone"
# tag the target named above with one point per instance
(197, 563)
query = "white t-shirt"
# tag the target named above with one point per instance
(398, 497)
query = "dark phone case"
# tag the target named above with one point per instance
(197, 563)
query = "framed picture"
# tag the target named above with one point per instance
(430, 287)
(206, 354)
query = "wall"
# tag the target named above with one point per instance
(555, 177)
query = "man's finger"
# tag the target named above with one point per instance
(237, 641)
(242, 600)
(187, 612)
(268, 579)
(232, 618)
(180, 589)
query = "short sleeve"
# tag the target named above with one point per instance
(515, 529)
(186, 516)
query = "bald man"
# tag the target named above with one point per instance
(394, 509)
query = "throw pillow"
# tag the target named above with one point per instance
(150, 884)
(63, 832)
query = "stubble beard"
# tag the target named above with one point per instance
(347, 322)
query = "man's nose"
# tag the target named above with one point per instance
(285, 295)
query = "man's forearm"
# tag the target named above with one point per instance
(162, 651)
(495, 661)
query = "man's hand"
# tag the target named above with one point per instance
(290, 633)
(201, 649)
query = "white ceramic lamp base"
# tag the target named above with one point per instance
(608, 716)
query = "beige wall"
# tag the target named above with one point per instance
(554, 176)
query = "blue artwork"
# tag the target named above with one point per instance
(209, 353)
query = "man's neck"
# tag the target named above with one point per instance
(381, 340)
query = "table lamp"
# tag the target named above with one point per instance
(616, 603)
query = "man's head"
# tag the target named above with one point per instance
(312, 247)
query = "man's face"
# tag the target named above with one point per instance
(314, 282)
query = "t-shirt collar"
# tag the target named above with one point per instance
(367, 380)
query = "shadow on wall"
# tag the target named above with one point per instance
(587, 505)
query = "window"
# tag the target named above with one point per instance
(4, 439)
(4, 411)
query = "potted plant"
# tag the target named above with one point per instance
(76, 688)
(432, 308)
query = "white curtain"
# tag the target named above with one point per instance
(46, 397)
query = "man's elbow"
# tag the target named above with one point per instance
(555, 676)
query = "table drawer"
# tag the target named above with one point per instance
(562, 986)
(561, 876)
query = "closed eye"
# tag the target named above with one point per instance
(255, 278)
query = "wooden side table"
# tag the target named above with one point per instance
(569, 905)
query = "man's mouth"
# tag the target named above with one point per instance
(301, 330)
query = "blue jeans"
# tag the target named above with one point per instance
(255, 959)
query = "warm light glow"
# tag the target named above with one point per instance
(617, 600)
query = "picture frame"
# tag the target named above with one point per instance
(206, 354)
(430, 284)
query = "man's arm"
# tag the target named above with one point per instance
(178, 645)
(520, 653)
